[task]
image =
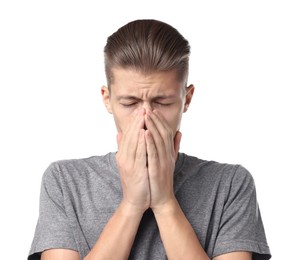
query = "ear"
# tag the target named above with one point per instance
(188, 97)
(106, 98)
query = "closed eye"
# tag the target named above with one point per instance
(163, 104)
(128, 104)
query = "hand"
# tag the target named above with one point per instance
(132, 164)
(162, 149)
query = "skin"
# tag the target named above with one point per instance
(147, 111)
(154, 102)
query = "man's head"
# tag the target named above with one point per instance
(146, 63)
(147, 46)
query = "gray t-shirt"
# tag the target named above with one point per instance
(79, 196)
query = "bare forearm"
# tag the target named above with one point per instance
(120, 230)
(177, 235)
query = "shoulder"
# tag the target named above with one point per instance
(212, 166)
(214, 171)
(72, 169)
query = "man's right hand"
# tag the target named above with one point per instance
(132, 164)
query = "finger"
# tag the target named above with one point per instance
(160, 122)
(161, 132)
(165, 130)
(131, 135)
(177, 142)
(152, 153)
(158, 140)
(118, 138)
(141, 159)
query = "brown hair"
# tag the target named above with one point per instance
(147, 46)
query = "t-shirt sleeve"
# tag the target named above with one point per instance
(53, 229)
(241, 227)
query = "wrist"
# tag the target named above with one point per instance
(168, 208)
(130, 210)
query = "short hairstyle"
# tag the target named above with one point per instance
(147, 46)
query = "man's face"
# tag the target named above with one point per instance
(132, 90)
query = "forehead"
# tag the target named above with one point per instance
(130, 80)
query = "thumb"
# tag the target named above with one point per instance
(118, 138)
(177, 142)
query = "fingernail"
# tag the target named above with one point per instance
(141, 111)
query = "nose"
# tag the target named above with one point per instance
(147, 106)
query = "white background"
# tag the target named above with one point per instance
(243, 65)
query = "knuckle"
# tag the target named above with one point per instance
(168, 134)
(140, 154)
(154, 155)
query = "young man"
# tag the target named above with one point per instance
(147, 200)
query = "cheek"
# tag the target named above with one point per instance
(173, 118)
(121, 119)
(117, 123)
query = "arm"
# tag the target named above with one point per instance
(60, 254)
(120, 230)
(65, 254)
(235, 256)
(180, 240)
(178, 237)
(122, 227)
(117, 238)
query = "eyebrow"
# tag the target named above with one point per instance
(127, 97)
(131, 97)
